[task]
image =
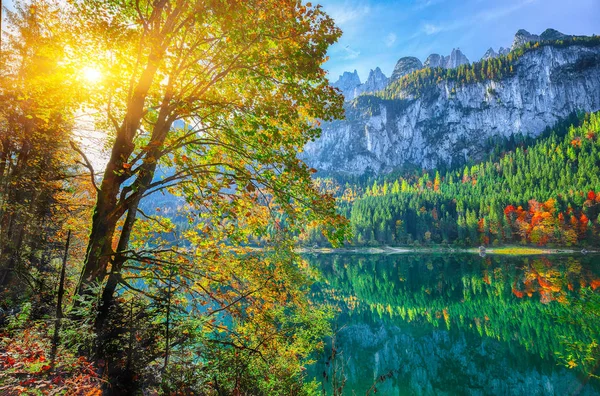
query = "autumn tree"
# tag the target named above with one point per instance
(38, 171)
(211, 102)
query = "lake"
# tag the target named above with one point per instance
(410, 324)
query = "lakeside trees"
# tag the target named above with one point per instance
(207, 102)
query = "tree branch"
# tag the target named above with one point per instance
(87, 164)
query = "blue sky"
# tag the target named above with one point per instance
(379, 32)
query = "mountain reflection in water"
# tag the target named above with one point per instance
(460, 324)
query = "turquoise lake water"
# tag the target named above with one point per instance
(460, 324)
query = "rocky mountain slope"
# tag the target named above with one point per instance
(414, 118)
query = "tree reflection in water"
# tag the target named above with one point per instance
(463, 323)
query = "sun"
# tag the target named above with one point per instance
(91, 74)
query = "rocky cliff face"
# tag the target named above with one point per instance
(449, 122)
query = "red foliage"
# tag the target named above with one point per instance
(591, 196)
(480, 225)
(583, 223)
(19, 354)
(574, 221)
(509, 209)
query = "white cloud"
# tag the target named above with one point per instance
(430, 28)
(390, 39)
(483, 16)
(350, 53)
(344, 13)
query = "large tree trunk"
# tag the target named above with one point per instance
(140, 186)
(108, 209)
(104, 222)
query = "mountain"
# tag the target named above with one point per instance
(375, 82)
(440, 114)
(522, 37)
(455, 59)
(350, 86)
(406, 66)
(490, 53)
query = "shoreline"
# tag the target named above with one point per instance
(504, 250)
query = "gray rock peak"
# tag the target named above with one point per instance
(522, 37)
(434, 60)
(456, 59)
(375, 82)
(347, 83)
(405, 66)
(351, 87)
(553, 34)
(490, 53)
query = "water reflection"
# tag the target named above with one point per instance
(461, 324)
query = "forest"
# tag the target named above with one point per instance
(542, 191)
(167, 265)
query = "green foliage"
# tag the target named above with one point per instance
(541, 192)
(19, 320)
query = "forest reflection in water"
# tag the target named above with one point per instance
(460, 324)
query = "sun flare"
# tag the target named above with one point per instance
(91, 74)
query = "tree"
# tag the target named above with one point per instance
(437, 182)
(37, 165)
(217, 105)
(210, 101)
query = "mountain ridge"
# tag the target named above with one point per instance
(426, 121)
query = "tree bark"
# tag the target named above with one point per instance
(59, 312)
(108, 210)
(140, 186)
